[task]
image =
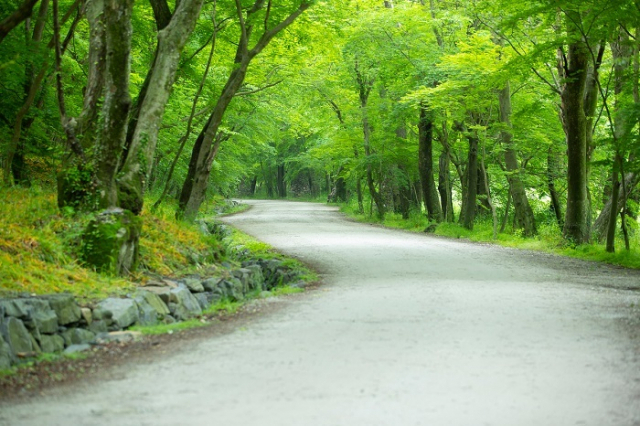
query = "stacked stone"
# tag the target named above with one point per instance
(31, 325)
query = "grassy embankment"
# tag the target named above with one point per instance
(549, 238)
(39, 248)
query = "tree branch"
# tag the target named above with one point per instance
(10, 22)
(251, 92)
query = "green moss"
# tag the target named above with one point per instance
(110, 242)
(76, 188)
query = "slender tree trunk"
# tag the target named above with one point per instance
(622, 54)
(472, 182)
(203, 154)
(194, 105)
(613, 213)
(425, 165)
(139, 160)
(552, 174)
(95, 81)
(485, 179)
(31, 90)
(483, 205)
(281, 185)
(524, 218)
(444, 187)
(10, 22)
(576, 224)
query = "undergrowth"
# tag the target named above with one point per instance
(39, 247)
(548, 239)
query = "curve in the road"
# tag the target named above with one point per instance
(406, 330)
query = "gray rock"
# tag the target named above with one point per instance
(53, 343)
(98, 326)
(103, 315)
(146, 314)
(87, 316)
(124, 312)
(169, 320)
(256, 279)
(161, 292)
(45, 320)
(66, 308)
(77, 348)
(233, 289)
(17, 336)
(194, 285)
(156, 302)
(184, 304)
(211, 284)
(17, 308)
(5, 354)
(212, 297)
(202, 300)
(78, 336)
(119, 336)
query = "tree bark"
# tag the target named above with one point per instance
(137, 166)
(425, 165)
(469, 213)
(117, 102)
(576, 224)
(23, 12)
(524, 218)
(95, 80)
(281, 185)
(444, 187)
(622, 54)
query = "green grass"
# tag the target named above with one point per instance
(41, 358)
(549, 238)
(286, 290)
(169, 328)
(241, 241)
(39, 247)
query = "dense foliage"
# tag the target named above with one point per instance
(520, 114)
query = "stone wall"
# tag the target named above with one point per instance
(30, 325)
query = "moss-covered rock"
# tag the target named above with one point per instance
(110, 243)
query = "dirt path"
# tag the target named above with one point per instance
(407, 330)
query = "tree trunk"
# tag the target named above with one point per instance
(139, 160)
(281, 185)
(359, 194)
(576, 224)
(613, 213)
(32, 88)
(552, 174)
(622, 54)
(10, 22)
(95, 81)
(483, 205)
(117, 102)
(469, 213)
(524, 218)
(444, 187)
(203, 154)
(425, 165)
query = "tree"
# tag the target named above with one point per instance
(209, 140)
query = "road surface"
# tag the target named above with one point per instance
(406, 330)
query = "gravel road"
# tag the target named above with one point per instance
(406, 330)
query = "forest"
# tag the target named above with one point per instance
(520, 115)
